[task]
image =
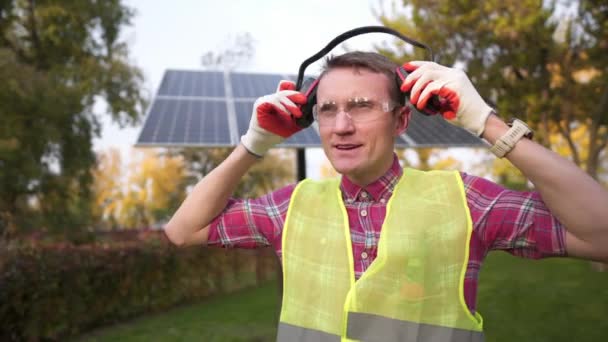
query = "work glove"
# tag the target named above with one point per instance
(273, 118)
(459, 102)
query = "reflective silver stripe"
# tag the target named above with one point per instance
(367, 327)
(288, 333)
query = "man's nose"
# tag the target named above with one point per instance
(344, 123)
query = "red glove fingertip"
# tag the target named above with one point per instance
(295, 111)
(286, 85)
(449, 115)
(409, 67)
(405, 87)
(298, 98)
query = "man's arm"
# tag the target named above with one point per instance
(576, 199)
(271, 122)
(189, 224)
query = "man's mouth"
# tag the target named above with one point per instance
(346, 147)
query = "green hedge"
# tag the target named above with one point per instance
(50, 292)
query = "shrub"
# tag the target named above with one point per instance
(47, 292)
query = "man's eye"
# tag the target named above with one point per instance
(363, 104)
(360, 105)
(327, 109)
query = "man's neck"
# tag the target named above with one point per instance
(366, 179)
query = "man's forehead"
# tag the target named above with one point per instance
(346, 83)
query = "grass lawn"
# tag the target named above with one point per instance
(557, 300)
(247, 315)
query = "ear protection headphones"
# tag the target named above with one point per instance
(308, 86)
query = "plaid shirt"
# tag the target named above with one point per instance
(517, 222)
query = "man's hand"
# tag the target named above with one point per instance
(271, 120)
(460, 102)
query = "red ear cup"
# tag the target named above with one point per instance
(432, 107)
(309, 88)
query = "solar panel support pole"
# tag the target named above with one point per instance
(231, 111)
(301, 163)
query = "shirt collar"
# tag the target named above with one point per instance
(379, 190)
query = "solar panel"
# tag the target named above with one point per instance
(186, 122)
(212, 108)
(192, 84)
(435, 131)
(243, 111)
(253, 86)
(305, 138)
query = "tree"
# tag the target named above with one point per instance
(275, 170)
(153, 190)
(539, 60)
(145, 192)
(107, 187)
(579, 139)
(234, 52)
(156, 181)
(543, 61)
(429, 159)
(56, 60)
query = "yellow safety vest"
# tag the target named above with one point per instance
(413, 291)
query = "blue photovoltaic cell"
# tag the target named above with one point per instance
(307, 137)
(434, 130)
(253, 85)
(192, 83)
(189, 122)
(156, 123)
(215, 128)
(243, 111)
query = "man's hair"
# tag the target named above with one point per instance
(371, 61)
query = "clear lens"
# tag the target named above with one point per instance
(358, 109)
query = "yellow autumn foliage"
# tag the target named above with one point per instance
(579, 135)
(154, 180)
(141, 193)
(107, 185)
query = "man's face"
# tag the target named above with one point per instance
(362, 151)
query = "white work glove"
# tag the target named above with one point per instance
(459, 101)
(273, 118)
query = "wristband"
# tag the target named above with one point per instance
(505, 144)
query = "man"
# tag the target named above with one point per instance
(385, 253)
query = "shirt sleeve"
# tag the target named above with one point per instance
(514, 221)
(251, 223)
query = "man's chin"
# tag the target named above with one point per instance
(345, 163)
(344, 167)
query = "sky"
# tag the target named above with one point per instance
(175, 35)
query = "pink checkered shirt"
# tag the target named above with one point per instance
(516, 222)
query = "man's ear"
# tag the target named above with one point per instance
(403, 120)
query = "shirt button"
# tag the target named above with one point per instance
(363, 212)
(382, 200)
(364, 255)
(364, 194)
